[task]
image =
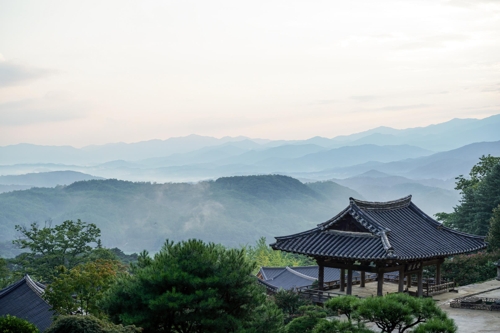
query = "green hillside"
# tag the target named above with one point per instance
(136, 216)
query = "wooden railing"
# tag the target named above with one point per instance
(318, 296)
(435, 289)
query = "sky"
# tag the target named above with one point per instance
(93, 72)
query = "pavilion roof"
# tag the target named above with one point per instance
(371, 231)
(23, 299)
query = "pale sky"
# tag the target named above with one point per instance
(92, 72)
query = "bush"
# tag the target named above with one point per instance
(11, 324)
(87, 324)
(471, 268)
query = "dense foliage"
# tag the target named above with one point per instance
(310, 316)
(134, 216)
(188, 287)
(11, 324)
(470, 268)
(480, 195)
(399, 312)
(87, 324)
(79, 290)
(494, 232)
(67, 244)
(265, 256)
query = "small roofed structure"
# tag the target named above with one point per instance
(23, 299)
(380, 237)
(291, 278)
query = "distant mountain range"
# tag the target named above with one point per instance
(440, 137)
(191, 194)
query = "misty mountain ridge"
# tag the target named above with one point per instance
(135, 216)
(438, 137)
(42, 179)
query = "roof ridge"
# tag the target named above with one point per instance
(393, 204)
(307, 277)
(33, 285)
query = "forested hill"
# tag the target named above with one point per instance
(137, 216)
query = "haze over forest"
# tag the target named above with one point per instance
(234, 190)
(229, 121)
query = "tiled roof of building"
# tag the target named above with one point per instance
(23, 300)
(287, 278)
(373, 231)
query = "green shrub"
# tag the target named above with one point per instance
(471, 268)
(437, 325)
(87, 324)
(11, 324)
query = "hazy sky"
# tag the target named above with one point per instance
(91, 72)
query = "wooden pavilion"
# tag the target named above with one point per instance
(380, 237)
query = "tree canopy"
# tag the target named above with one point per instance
(188, 287)
(78, 290)
(67, 244)
(480, 195)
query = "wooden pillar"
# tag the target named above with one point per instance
(321, 276)
(401, 286)
(349, 281)
(363, 278)
(380, 282)
(438, 273)
(420, 275)
(342, 279)
(408, 281)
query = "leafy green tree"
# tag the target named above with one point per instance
(289, 302)
(494, 232)
(311, 315)
(477, 173)
(67, 244)
(265, 256)
(12, 324)
(437, 325)
(87, 324)
(343, 304)
(188, 287)
(79, 290)
(267, 318)
(4, 273)
(398, 311)
(480, 195)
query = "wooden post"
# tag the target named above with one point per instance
(380, 282)
(321, 276)
(401, 286)
(342, 279)
(438, 273)
(420, 289)
(408, 281)
(363, 277)
(349, 281)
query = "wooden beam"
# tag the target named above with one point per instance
(363, 279)
(349, 281)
